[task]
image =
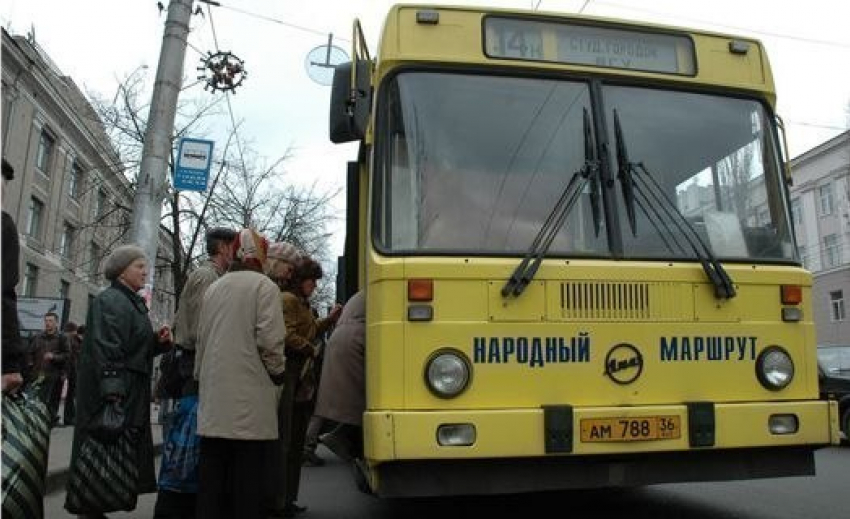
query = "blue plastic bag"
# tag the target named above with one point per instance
(181, 451)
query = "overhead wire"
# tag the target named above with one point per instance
(583, 6)
(803, 39)
(815, 125)
(277, 21)
(199, 51)
(227, 94)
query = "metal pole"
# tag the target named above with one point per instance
(152, 181)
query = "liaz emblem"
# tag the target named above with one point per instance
(623, 364)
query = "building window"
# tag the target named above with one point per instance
(30, 280)
(836, 300)
(36, 214)
(45, 152)
(75, 182)
(64, 289)
(796, 211)
(66, 245)
(832, 254)
(100, 203)
(94, 262)
(825, 199)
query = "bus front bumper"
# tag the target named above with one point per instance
(512, 450)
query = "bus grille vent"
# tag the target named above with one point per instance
(604, 301)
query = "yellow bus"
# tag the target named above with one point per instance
(574, 238)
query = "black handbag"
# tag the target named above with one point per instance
(105, 476)
(109, 423)
(176, 367)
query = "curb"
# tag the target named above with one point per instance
(56, 480)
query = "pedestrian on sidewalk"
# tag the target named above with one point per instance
(176, 499)
(50, 353)
(13, 357)
(239, 362)
(115, 365)
(296, 405)
(342, 393)
(75, 342)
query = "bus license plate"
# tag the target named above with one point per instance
(637, 428)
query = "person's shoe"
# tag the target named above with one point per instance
(311, 459)
(337, 444)
(291, 510)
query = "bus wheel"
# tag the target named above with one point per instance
(845, 425)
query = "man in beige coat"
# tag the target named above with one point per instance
(178, 381)
(239, 361)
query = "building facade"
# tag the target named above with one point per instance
(69, 198)
(820, 205)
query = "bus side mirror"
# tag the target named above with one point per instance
(350, 104)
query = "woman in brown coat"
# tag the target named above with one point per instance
(302, 328)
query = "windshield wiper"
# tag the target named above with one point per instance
(525, 271)
(624, 173)
(591, 167)
(645, 192)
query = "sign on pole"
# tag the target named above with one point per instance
(194, 157)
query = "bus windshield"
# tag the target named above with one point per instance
(474, 164)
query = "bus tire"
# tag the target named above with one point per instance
(845, 424)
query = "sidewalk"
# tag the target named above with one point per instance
(59, 457)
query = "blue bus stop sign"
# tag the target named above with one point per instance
(194, 157)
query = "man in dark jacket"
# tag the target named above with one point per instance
(50, 351)
(13, 347)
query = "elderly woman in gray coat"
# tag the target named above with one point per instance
(115, 364)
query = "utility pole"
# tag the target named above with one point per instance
(153, 171)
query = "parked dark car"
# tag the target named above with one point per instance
(834, 378)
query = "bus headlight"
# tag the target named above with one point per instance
(447, 373)
(774, 368)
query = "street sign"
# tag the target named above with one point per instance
(194, 157)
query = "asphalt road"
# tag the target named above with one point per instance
(329, 492)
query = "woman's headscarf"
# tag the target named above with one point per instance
(251, 249)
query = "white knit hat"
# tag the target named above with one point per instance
(284, 251)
